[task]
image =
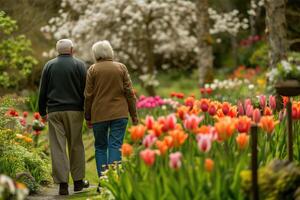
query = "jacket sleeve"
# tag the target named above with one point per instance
(43, 92)
(129, 94)
(88, 94)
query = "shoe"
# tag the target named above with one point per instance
(63, 189)
(98, 188)
(79, 185)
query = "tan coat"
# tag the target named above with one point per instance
(108, 92)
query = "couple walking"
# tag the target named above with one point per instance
(103, 95)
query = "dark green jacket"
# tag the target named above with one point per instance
(62, 85)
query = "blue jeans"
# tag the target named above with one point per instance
(109, 137)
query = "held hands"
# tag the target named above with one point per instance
(135, 121)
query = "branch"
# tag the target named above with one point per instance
(290, 42)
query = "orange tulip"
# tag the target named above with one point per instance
(233, 111)
(242, 140)
(156, 129)
(162, 146)
(178, 137)
(268, 111)
(189, 101)
(225, 127)
(267, 123)
(126, 150)
(137, 132)
(203, 130)
(168, 140)
(182, 111)
(243, 124)
(204, 104)
(209, 164)
(28, 139)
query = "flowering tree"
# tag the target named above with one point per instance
(141, 32)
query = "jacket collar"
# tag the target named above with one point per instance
(103, 60)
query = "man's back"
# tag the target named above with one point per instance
(62, 85)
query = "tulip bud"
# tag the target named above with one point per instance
(256, 115)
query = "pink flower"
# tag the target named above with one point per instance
(256, 115)
(148, 156)
(25, 114)
(23, 121)
(247, 102)
(281, 115)
(171, 121)
(175, 160)
(249, 111)
(191, 122)
(149, 121)
(262, 101)
(241, 109)
(149, 140)
(204, 142)
(272, 102)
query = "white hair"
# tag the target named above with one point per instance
(64, 46)
(102, 50)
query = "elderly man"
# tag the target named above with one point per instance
(61, 100)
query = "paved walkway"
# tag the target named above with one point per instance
(51, 193)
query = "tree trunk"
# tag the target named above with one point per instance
(205, 55)
(276, 29)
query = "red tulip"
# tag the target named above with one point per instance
(149, 122)
(212, 110)
(148, 156)
(241, 110)
(243, 124)
(256, 115)
(225, 108)
(268, 111)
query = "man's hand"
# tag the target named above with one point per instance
(135, 121)
(89, 124)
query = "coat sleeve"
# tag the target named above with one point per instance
(88, 94)
(43, 92)
(129, 94)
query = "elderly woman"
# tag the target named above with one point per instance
(108, 99)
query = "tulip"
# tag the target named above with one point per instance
(192, 122)
(204, 104)
(126, 150)
(209, 164)
(209, 90)
(162, 146)
(149, 140)
(175, 160)
(272, 102)
(232, 112)
(189, 101)
(36, 115)
(281, 115)
(171, 121)
(294, 113)
(204, 143)
(285, 100)
(247, 102)
(249, 111)
(178, 137)
(226, 108)
(156, 129)
(243, 124)
(241, 110)
(25, 114)
(149, 121)
(256, 115)
(262, 101)
(148, 156)
(242, 140)
(267, 123)
(212, 110)
(137, 132)
(225, 127)
(168, 140)
(268, 111)
(182, 112)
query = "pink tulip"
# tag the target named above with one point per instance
(148, 156)
(262, 101)
(256, 115)
(249, 111)
(149, 140)
(192, 122)
(204, 142)
(247, 102)
(281, 115)
(241, 109)
(171, 121)
(272, 102)
(175, 160)
(149, 121)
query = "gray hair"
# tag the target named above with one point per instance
(64, 46)
(102, 50)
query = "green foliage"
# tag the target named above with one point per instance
(16, 63)
(278, 180)
(260, 56)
